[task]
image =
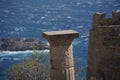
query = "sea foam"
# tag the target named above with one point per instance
(6, 53)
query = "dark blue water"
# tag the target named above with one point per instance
(29, 18)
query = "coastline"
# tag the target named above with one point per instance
(6, 53)
(21, 44)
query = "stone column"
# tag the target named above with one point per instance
(61, 55)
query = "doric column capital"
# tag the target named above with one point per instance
(63, 35)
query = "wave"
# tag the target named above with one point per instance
(76, 43)
(117, 11)
(10, 58)
(5, 58)
(6, 53)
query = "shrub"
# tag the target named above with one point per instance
(34, 68)
(37, 67)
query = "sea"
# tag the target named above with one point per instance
(30, 18)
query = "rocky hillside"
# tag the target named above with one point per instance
(20, 44)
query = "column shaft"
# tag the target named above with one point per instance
(61, 54)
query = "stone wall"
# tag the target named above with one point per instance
(100, 19)
(104, 48)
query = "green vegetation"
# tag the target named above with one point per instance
(34, 68)
(37, 67)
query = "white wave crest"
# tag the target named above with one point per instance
(5, 58)
(6, 53)
(76, 42)
(117, 11)
(9, 58)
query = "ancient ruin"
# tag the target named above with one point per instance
(61, 55)
(104, 48)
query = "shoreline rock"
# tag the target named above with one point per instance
(21, 44)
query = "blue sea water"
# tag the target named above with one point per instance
(29, 18)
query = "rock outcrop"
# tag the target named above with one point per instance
(20, 44)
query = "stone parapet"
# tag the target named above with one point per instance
(100, 19)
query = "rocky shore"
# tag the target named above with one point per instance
(20, 44)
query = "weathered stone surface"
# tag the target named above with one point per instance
(61, 55)
(20, 44)
(59, 35)
(104, 49)
(101, 20)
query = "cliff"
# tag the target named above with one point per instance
(20, 44)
